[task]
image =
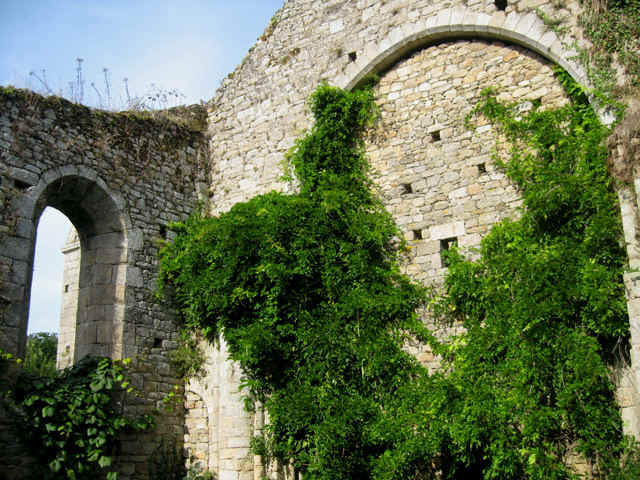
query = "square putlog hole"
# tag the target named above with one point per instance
(501, 4)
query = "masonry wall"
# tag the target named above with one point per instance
(435, 176)
(120, 178)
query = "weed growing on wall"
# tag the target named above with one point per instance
(613, 27)
(307, 292)
(154, 98)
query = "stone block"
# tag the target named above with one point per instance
(228, 475)
(447, 230)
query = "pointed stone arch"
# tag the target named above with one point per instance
(525, 30)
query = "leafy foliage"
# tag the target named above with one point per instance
(40, 355)
(307, 292)
(70, 420)
(188, 358)
(544, 307)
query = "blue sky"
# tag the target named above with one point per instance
(188, 45)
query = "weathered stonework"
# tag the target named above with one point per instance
(120, 179)
(436, 175)
(120, 184)
(196, 424)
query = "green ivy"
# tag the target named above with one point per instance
(70, 420)
(544, 306)
(307, 292)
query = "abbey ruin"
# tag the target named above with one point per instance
(121, 179)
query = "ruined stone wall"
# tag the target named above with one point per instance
(259, 110)
(120, 179)
(436, 176)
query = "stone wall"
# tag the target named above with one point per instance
(436, 175)
(433, 58)
(230, 426)
(259, 110)
(120, 179)
(196, 426)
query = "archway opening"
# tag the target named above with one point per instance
(92, 288)
(50, 291)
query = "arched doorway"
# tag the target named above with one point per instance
(53, 298)
(93, 321)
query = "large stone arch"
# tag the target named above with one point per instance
(524, 29)
(98, 216)
(121, 179)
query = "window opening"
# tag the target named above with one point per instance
(353, 56)
(417, 234)
(47, 303)
(445, 245)
(482, 168)
(46, 285)
(435, 136)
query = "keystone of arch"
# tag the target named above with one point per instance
(525, 29)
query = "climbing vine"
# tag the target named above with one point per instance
(71, 420)
(307, 292)
(529, 382)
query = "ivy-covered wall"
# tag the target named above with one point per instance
(435, 175)
(122, 178)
